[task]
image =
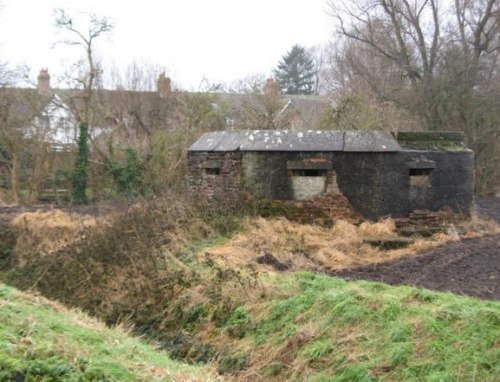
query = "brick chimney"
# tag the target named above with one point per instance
(164, 86)
(271, 88)
(44, 82)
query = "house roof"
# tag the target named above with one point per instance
(21, 104)
(286, 140)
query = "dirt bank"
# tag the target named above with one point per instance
(470, 266)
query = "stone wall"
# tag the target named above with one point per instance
(215, 175)
(376, 184)
(274, 175)
(382, 184)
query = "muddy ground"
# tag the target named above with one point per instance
(470, 266)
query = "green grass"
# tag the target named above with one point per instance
(42, 341)
(307, 328)
(287, 326)
(334, 330)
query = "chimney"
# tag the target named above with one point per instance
(44, 82)
(271, 88)
(164, 87)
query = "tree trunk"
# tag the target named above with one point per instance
(15, 174)
(38, 172)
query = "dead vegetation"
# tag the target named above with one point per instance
(296, 246)
(124, 249)
(43, 232)
(108, 264)
(166, 267)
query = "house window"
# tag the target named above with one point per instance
(212, 167)
(420, 171)
(309, 177)
(309, 172)
(212, 171)
(420, 177)
(308, 183)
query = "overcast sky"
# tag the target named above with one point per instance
(221, 40)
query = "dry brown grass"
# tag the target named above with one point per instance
(108, 264)
(55, 219)
(383, 228)
(315, 248)
(129, 267)
(40, 233)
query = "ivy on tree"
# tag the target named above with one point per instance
(295, 72)
(80, 172)
(85, 81)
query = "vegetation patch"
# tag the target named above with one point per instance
(156, 266)
(280, 244)
(8, 239)
(42, 341)
(336, 330)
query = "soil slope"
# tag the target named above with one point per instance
(470, 266)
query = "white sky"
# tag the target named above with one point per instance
(221, 40)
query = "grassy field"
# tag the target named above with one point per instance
(319, 328)
(42, 341)
(303, 327)
(193, 286)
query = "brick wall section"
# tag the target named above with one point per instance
(215, 175)
(376, 184)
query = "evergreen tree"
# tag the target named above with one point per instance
(295, 72)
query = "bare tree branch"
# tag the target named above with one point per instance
(97, 26)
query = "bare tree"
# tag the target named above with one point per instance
(84, 80)
(319, 55)
(478, 26)
(441, 67)
(256, 103)
(89, 71)
(11, 133)
(413, 35)
(406, 32)
(23, 135)
(472, 65)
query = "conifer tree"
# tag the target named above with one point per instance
(295, 72)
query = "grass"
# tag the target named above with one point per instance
(334, 330)
(183, 281)
(313, 247)
(42, 341)
(288, 326)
